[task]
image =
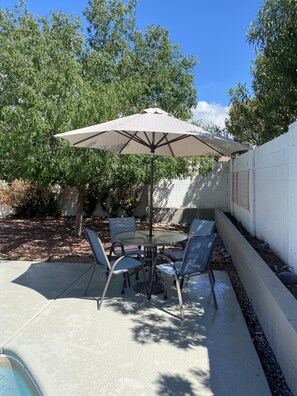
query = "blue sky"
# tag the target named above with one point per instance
(214, 31)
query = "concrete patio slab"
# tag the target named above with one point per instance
(25, 302)
(130, 347)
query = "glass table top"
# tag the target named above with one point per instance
(142, 237)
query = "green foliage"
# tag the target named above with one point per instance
(259, 118)
(54, 79)
(120, 200)
(246, 122)
(44, 92)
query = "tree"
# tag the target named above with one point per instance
(55, 79)
(44, 92)
(259, 118)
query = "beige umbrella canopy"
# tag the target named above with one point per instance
(153, 131)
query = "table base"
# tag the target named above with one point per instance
(158, 287)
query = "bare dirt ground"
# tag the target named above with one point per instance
(49, 239)
(52, 240)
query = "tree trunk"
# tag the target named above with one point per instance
(79, 212)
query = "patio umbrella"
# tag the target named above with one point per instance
(154, 132)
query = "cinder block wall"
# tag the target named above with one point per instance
(203, 192)
(272, 215)
(271, 193)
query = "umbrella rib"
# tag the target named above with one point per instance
(188, 136)
(130, 137)
(136, 138)
(174, 140)
(147, 138)
(164, 136)
(88, 138)
(169, 145)
(208, 145)
(148, 144)
(123, 133)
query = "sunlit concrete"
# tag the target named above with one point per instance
(130, 347)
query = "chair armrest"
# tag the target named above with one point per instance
(167, 259)
(180, 245)
(113, 267)
(112, 247)
(184, 244)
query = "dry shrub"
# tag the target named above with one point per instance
(29, 199)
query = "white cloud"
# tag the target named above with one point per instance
(210, 113)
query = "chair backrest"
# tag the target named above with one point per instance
(198, 254)
(201, 227)
(97, 247)
(121, 224)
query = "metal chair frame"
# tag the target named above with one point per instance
(118, 225)
(191, 265)
(198, 227)
(122, 265)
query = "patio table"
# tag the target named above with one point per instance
(150, 244)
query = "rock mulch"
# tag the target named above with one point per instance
(52, 240)
(278, 266)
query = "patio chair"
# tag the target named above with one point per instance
(123, 265)
(123, 224)
(198, 227)
(196, 260)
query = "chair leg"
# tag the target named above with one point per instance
(93, 270)
(151, 283)
(137, 272)
(145, 282)
(182, 283)
(180, 298)
(211, 280)
(126, 281)
(99, 304)
(128, 278)
(212, 274)
(165, 291)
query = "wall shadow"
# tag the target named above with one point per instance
(204, 190)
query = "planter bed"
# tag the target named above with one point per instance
(274, 305)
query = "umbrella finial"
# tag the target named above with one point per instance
(154, 109)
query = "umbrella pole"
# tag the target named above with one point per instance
(151, 197)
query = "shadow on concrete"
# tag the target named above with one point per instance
(174, 385)
(52, 280)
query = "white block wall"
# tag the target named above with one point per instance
(272, 193)
(200, 192)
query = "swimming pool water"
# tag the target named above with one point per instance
(13, 379)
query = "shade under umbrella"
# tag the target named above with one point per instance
(153, 131)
